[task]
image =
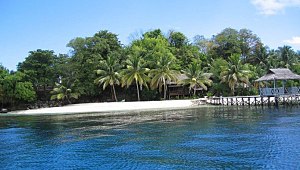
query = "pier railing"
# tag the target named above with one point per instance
(255, 100)
(279, 91)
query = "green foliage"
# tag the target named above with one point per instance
(227, 43)
(38, 67)
(61, 92)
(235, 59)
(151, 49)
(87, 53)
(135, 71)
(287, 56)
(163, 73)
(25, 92)
(149, 94)
(109, 74)
(217, 67)
(209, 94)
(196, 77)
(157, 33)
(231, 41)
(177, 39)
(235, 73)
(14, 88)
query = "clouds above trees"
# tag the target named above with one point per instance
(294, 40)
(273, 7)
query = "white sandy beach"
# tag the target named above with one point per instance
(111, 107)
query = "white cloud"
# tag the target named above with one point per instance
(294, 41)
(272, 7)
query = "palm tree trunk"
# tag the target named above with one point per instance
(114, 91)
(232, 92)
(138, 90)
(165, 90)
(68, 99)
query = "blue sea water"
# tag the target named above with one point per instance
(199, 138)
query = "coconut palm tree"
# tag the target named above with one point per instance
(61, 92)
(108, 74)
(163, 73)
(234, 73)
(195, 77)
(287, 56)
(136, 72)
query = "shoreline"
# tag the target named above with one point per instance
(108, 107)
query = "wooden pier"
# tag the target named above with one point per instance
(268, 95)
(255, 100)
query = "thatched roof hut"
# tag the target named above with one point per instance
(180, 77)
(279, 74)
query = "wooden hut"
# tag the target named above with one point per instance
(178, 90)
(276, 75)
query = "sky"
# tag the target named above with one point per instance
(28, 25)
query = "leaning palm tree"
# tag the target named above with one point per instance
(136, 72)
(61, 92)
(234, 73)
(108, 74)
(195, 77)
(163, 73)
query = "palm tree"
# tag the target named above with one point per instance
(163, 73)
(287, 56)
(234, 73)
(61, 92)
(109, 74)
(195, 77)
(135, 71)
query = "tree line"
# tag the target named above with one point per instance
(100, 68)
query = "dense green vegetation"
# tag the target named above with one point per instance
(100, 68)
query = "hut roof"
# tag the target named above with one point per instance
(180, 77)
(279, 74)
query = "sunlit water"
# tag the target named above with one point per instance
(202, 138)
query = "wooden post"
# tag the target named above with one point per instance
(276, 101)
(269, 101)
(254, 101)
(262, 101)
(231, 100)
(243, 101)
(249, 101)
(227, 101)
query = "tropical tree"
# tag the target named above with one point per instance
(15, 88)
(250, 45)
(86, 54)
(152, 46)
(287, 56)
(61, 92)
(195, 77)
(235, 73)
(163, 73)
(108, 74)
(39, 68)
(135, 71)
(226, 43)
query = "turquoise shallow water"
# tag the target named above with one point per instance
(201, 138)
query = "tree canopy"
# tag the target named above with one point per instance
(223, 64)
